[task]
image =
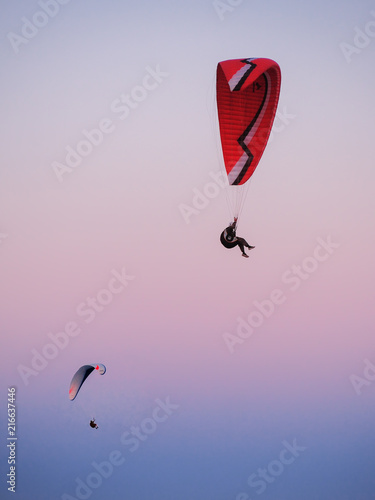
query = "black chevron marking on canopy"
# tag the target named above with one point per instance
(251, 67)
(245, 133)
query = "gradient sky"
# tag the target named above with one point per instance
(162, 336)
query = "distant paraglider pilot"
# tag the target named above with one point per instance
(229, 239)
(93, 424)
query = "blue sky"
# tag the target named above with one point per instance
(181, 415)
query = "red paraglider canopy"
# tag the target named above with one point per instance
(247, 96)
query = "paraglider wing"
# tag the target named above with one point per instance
(81, 375)
(247, 92)
(101, 369)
